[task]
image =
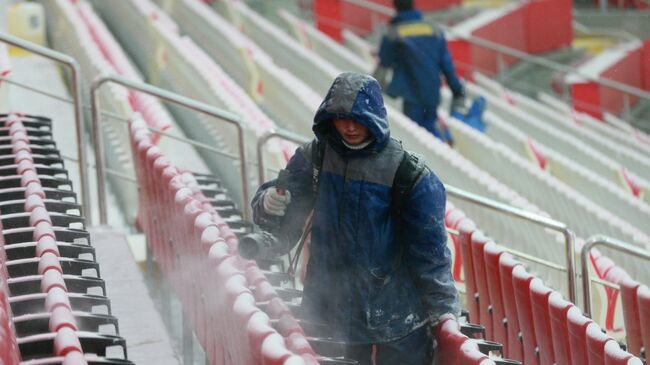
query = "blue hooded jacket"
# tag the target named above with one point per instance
(417, 52)
(373, 276)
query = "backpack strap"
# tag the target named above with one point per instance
(317, 156)
(408, 173)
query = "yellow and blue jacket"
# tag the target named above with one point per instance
(417, 52)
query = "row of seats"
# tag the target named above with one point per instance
(196, 249)
(46, 256)
(535, 324)
(148, 106)
(549, 127)
(607, 308)
(185, 68)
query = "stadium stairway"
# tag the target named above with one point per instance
(521, 276)
(50, 283)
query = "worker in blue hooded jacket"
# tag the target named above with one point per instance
(417, 53)
(376, 276)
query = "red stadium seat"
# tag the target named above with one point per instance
(558, 308)
(596, 341)
(643, 297)
(470, 354)
(614, 355)
(449, 338)
(55, 298)
(515, 346)
(628, 289)
(539, 294)
(275, 352)
(521, 282)
(577, 325)
(480, 279)
(258, 329)
(466, 228)
(74, 358)
(62, 318)
(492, 254)
(66, 341)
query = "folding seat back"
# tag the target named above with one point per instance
(478, 261)
(492, 254)
(577, 325)
(470, 353)
(449, 339)
(466, 229)
(539, 294)
(558, 308)
(643, 298)
(614, 355)
(628, 289)
(614, 320)
(506, 266)
(521, 282)
(596, 341)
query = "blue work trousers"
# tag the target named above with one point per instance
(414, 349)
(424, 115)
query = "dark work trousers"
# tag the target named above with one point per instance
(414, 349)
(424, 115)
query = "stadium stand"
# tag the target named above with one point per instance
(244, 311)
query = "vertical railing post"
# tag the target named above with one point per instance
(282, 134)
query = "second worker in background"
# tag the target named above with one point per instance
(417, 53)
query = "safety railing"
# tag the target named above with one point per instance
(169, 97)
(600, 240)
(75, 90)
(569, 235)
(275, 133)
(507, 51)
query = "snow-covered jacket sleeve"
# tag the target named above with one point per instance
(426, 253)
(288, 228)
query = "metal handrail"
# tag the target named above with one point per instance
(384, 10)
(75, 90)
(609, 242)
(122, 119)
(274, 133)
(569, 235)
(169, 97)
(523, 255)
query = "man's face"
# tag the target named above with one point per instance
(352, 132)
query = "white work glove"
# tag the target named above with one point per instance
(274, 203)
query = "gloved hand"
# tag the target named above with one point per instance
(458, 105)
(274, 203)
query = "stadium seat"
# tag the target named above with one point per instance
(596, 341)
(478, 242)
(449, 339)
(521, 283)
(466, 229)
(577, 326)
(492, 254)
(539, 297)
(614, 355)
(470, 354)
(558, 308)
(643, 297)
(515, 346)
